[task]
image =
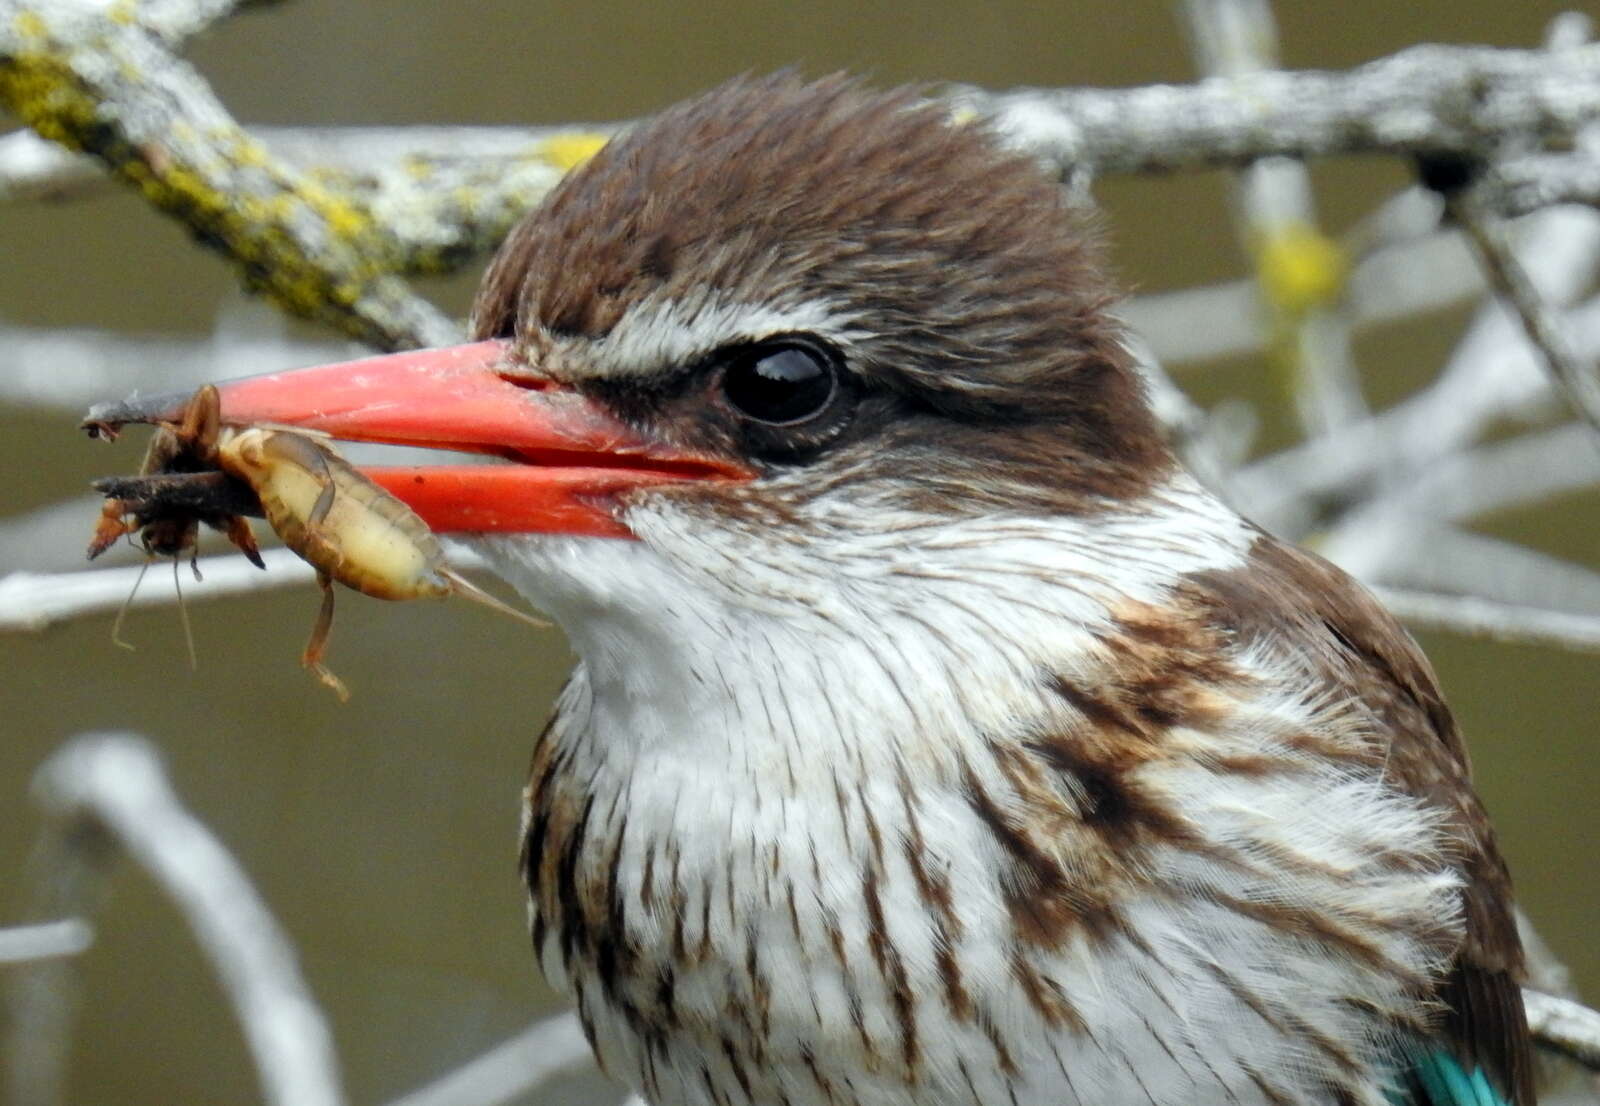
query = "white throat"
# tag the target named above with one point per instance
(698, 632)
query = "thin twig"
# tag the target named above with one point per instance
(114, 785)
(33, 601)
(546, 1050)
(1543, 328)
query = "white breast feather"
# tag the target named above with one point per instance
(717, 666)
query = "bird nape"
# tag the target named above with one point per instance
(936, 737)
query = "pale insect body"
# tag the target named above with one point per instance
(346, 526)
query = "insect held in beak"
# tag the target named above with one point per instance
(346, 526)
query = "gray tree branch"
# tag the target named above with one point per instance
(111, 790)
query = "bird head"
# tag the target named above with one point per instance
(759, 350)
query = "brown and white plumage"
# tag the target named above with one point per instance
(972, 752)
(937, 739)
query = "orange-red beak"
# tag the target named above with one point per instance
(570, 459)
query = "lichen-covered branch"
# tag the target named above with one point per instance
(359, 205)
(1428, 99)
(102, 84)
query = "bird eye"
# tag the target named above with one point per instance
(780, 383)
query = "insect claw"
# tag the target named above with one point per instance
(244, 539)
(330, 681)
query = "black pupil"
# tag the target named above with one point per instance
(779, 385)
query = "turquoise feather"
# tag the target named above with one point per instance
(1444, 1082)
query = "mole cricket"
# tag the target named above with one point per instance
(198, 470)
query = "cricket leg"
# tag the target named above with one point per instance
(317, 646)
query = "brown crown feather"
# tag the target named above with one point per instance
(981, 289)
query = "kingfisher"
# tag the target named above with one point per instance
(936, 738)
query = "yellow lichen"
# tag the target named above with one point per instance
(189, 175)
(31, 25)
(42, 91)
(1299, 268)
(568, 151)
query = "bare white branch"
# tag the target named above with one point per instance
(1564, 1026)
(115, 784)
(1447, 560)
(1465, 614)
(45, 941)
(70, 369)
(1392, 281)
(32, 601)
(544, 1051)
(1472, 484)
(1493, 375)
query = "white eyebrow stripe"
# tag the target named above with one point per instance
(660, 334)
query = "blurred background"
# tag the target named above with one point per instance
(383, 832)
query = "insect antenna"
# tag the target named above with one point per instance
(122, 611)
(183, 615)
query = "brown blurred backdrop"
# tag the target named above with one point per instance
(384, 832)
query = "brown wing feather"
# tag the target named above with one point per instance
(1296, 596)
